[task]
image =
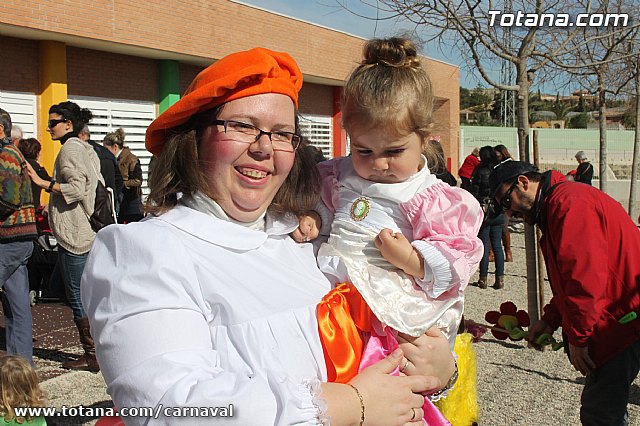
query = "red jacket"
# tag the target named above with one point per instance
(592, 252)
(468, 166)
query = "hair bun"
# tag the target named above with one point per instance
(394, 52)
(120, 134)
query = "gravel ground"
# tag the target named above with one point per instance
(516, 385)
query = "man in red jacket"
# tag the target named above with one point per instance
(592, 251)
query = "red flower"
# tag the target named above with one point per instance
(509, 319)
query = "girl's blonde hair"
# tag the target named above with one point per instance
(115, 138)
(389, 90)
(19, 387)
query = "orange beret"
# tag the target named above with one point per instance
(235, 76)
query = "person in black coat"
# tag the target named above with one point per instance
(108, 164)
(439, 168)
(491, 230)
(584, 173)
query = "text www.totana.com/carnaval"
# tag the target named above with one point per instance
(154, 412)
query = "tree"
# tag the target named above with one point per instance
(579, 121)
(484, 33)
(596, 56)
(475, 97)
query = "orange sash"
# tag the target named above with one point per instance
(342, 316)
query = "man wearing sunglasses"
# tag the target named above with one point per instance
(591, 249)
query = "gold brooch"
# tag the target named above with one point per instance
(360, 208)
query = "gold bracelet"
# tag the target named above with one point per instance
(361, 403)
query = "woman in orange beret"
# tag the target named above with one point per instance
(209, 304)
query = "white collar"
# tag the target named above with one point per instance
(224, 233)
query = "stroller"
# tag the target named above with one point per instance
(43, 261)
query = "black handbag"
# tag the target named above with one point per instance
(104, 213)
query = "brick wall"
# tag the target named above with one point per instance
(187, 74)
(19, 71)
(316, 99)
(113, 46)
(110, 75)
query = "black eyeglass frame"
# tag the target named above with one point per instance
(505, 202)
(295, 138)
(55, 122)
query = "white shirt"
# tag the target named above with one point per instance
(190, 310)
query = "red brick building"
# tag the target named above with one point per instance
(128, 60)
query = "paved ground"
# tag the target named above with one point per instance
(516, 385)
(55, 341)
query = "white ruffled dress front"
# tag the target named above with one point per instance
(407, 304)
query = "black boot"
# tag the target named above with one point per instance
(499, 282)
(481, 283)
(88, 360)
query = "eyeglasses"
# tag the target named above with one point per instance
(248, 133)
(53, 123)
(505, 202)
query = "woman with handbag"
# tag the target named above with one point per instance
(131, 197)
(73, 192)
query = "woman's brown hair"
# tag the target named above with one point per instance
(30, 148)
(178, 170)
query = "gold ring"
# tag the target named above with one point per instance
(406, 364)
(413, 417)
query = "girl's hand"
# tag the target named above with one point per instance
(399, 252)
(388, 400)
(308, 228)
(427, 355)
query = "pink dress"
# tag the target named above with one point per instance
(441, 221)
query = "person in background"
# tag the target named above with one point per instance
(31, 149)
(439, 168)
(17, 232)
(16, 134)
(19, 388)
(491, 231)
(209, 302)
(591, 249)
(108, 165)
(503, 154)
(131, 209)
(468, 166)
(76, 172)
(584, 172)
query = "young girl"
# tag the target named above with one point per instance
(400, 238)
(19, 388)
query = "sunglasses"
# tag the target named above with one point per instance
(505, 203)
(53, 123)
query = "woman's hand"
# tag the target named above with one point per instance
(388, 400)
(35, 178)
(428, 355)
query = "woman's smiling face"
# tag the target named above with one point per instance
(244, 178)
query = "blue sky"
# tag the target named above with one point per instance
(329, 14)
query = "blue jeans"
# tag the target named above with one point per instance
(14, 280)
(606, 391)
(71, 267)
(491, 235)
